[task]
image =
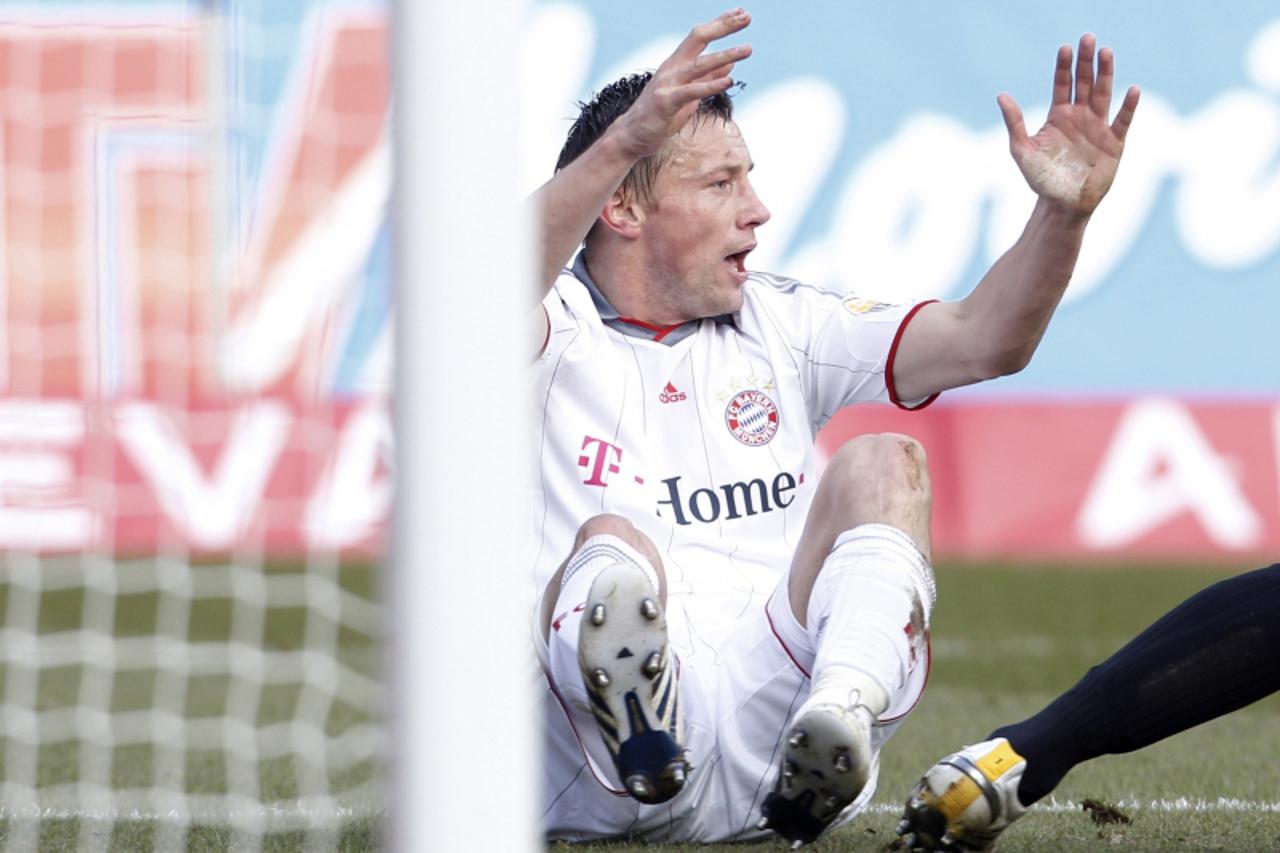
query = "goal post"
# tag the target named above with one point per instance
(463, 731)
(213, 632)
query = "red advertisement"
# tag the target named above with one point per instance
(1146, 478)
(195, 322)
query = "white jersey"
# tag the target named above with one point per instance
(705, 444)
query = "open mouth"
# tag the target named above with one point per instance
(739, 259)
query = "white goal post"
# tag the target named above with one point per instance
(463, 728)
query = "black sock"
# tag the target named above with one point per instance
(1217, 651)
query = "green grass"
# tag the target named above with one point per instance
(197, 683)
(1008, 640)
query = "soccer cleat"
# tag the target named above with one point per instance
(826, 762)
(632, 681)
(966, 800)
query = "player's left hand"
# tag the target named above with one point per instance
(1072, 160)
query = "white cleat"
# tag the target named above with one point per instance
(825, 765)
(632, 682)
(966, 800)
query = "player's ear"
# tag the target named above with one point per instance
(623, 214)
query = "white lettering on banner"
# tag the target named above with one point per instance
(554, 60)
(317, 273)
(41, 422)
(40, 506)
(908, 213)
(912, 209)
(811, 109)
(1263, 58)
(352, 500)
(213, 511)
(1160, 465)
(1229, 205)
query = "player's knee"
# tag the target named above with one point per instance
(601, 525)
(608, 524)
(880, 477)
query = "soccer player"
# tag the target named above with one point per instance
(727, 640)
(1217, 651)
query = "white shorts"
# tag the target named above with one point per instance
(736, 703)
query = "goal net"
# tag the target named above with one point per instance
(194, 424)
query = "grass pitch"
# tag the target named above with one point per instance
(1005, 641)
(153, 705)
(1008, 640)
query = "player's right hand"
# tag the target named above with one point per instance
(685, 78)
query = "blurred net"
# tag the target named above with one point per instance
(194, 437)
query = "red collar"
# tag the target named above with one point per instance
(659, 332)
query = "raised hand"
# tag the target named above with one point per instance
(1072, 160)
(571, 201)
(687, 76)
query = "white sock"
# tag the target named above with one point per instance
(873, 587)
(604, 550)
(596, 554)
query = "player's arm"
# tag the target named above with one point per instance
(1070, 164)
(572, 200)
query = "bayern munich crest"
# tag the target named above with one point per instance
(752, 418)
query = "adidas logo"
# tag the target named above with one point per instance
(671, 394)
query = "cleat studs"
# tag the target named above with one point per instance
(797, 844)
(677, 776)
(639, 787)
(763, 824)
(903, 826)
(600, 678)
(648, 609)
(597, 615)
(843, 763)
(798, 739)
(948, 839)
(652, 665)
(789, 769)
(833, 801)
